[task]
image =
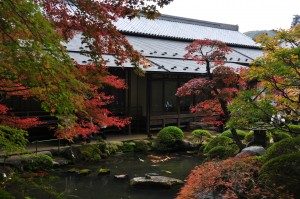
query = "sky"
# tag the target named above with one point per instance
(247, 14)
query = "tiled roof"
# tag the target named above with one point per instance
(182, 28)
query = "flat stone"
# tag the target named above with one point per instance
(121, 176)
(155, 181)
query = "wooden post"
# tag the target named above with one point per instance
(148, 103)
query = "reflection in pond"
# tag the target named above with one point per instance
(94, 186)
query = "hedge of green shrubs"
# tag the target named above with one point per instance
(240, 133)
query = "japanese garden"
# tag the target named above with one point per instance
(111, 99)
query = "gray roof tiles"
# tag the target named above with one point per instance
(179, 30)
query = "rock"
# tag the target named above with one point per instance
(73, 170)
(45, 153)
(251, 151)
(186, 145)
(59, 161)
(121, 176)
(103, 171)
(155, 181)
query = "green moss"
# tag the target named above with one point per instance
(90, 152)
(5, 195)
(73, 170)
(103, 171)
(37, 162)
(141, 145)
(200, 135)
(280, 135)
(128, 147)
(84, 171)
(223, 152)
(285, 146)
(240, 133)
(218, 141)
(283, 171)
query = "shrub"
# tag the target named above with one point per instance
(218, 141)
(280, 135)
(283, 171)
(200, 135)
(12, 139)
(285, 146)
(240, 133)
(223, 152)
(37, 162)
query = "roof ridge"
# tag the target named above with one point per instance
(191, 21)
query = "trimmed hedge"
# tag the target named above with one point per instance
(223, 152)
(218, 141)
(280, 135)
(200, 135)
(283, 171)
(240, 133)
(167, 137)
(285, 146)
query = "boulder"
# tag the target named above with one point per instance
(155, 181)
(60, 161)
(103, 171)
(251, 151)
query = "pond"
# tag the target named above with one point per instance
(93, 186)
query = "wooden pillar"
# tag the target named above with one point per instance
(148, 102)
(178, 111)
(128, 111)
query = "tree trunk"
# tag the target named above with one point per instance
(236, 138)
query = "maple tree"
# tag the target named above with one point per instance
(278, 74)
(219, 87)
(35, 63)
(230, 178)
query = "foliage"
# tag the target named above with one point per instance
(231, 178)
(12, 139)
(285, 146)
(280, 135)
(223, 152)
(5, 195)
(218, 141)
(34, 63)
(200, 135)
(278, 74)
(283, 171)
(240, 133)
(37, 162)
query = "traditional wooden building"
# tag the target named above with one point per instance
(151, 100)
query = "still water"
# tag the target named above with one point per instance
(93, 186)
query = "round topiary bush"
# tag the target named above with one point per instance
(285, 146)
(170, 134)
(283, 171)
(218, 141)
(280, 135)
(294, 128)
(223, 152)
(167, 138)
(240, 133)
(200, 135)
